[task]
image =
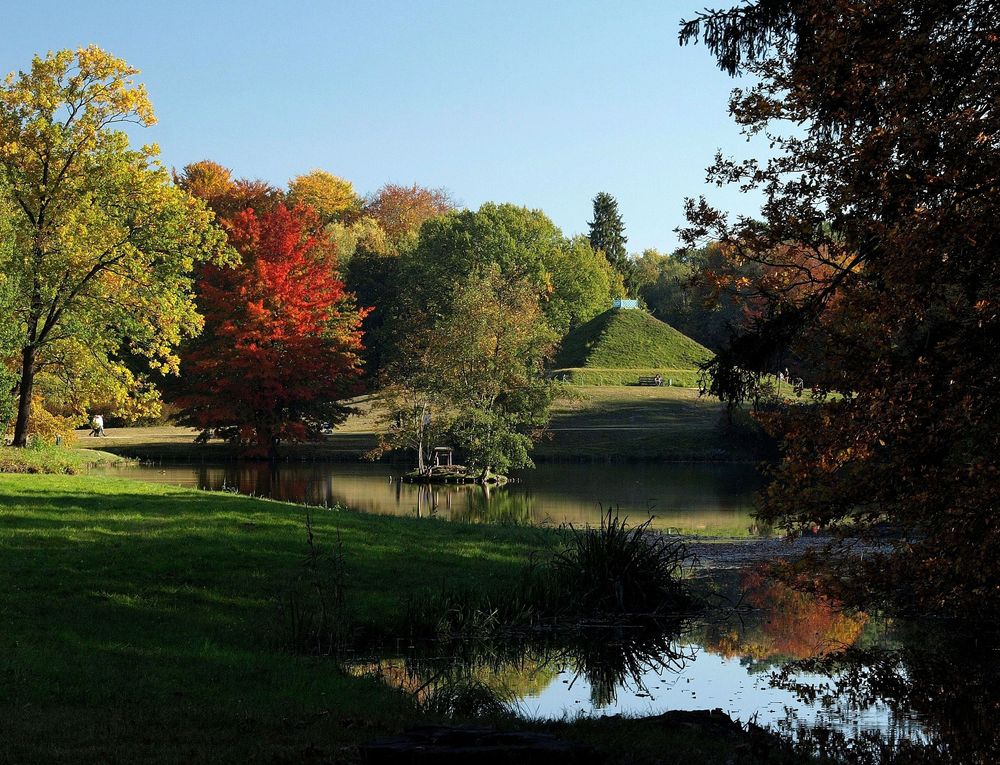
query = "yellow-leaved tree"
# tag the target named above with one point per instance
(331, 197)
(101, 243)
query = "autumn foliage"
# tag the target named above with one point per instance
(793, 624)
(281, 343)
(400, 210)
(877, 268)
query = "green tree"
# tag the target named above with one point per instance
(103, 243)
(370, 267)
(370, 249)
(363, 236)
(570, 280)
(607, 235)
(583, 283)
(478, 373)
(679, 289)
(877, 265)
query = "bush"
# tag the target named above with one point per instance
(621, 569)
(45, 428)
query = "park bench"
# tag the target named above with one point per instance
(651, 380)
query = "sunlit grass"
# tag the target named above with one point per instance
(135, 613)
(52, 459)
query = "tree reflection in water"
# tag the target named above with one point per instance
(779, 623)
(522, 663)
(873, 690)
(940, 688)
(497, 507)
(949, 687)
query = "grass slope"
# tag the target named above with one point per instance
(53, 459)
(621, 345)
(140, 622)
(648, 424)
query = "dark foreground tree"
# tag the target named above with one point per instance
(879, 268)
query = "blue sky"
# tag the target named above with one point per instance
(540, 103)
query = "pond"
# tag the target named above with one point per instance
(689, 498)
(767, 654)
(781, 659)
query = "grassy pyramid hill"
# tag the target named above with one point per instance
(619, 346)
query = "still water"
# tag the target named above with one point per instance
(760, 658)
(778, 657)
(693, 498)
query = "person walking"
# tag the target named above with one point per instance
(97, 426)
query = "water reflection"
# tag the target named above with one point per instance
(778, 624)
(711, 499)
(950, 683)
(523, 665)
(733, 659)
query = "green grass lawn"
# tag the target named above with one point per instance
(593, 422)
(51, 459)
(633, 423)
(140, 622)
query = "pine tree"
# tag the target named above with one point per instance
(607, 234)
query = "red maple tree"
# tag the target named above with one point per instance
(281, 343)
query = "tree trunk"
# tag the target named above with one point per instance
(420, 450)
(420, 439)
(24, 390)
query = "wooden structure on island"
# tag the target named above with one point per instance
(443, 456)
(444, 470)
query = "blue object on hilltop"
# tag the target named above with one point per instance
(625, 303)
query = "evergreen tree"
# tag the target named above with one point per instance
(607, 234)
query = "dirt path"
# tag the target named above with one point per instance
(721, 553)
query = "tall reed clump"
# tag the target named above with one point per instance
(469, 613)
(468, 697)
(621, 569)
(603, 574)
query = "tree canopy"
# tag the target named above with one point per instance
(573, 282)
(682, 290)
(331, 197)
(476, 376)
(101, 243)
(401, 210)
(876, 257)
(482, 298)
(281, 342)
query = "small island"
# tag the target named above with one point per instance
(444, 470)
